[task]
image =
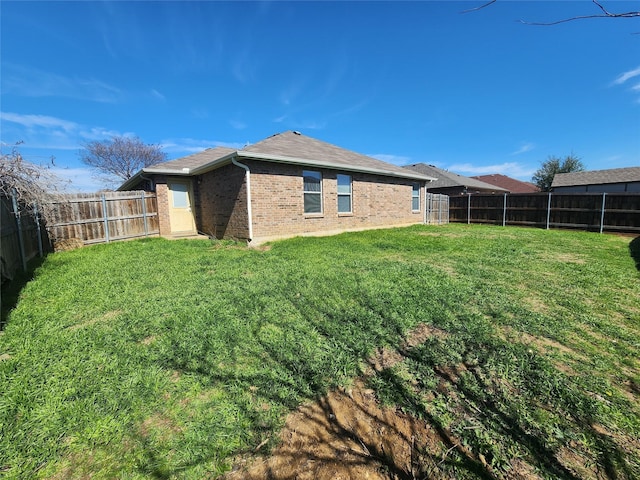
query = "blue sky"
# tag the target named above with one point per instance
(405, 82)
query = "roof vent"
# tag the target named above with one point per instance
(296, 132)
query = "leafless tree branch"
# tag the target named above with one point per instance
(31, 184)
(119, 158)
(604, 14)
(479, 8)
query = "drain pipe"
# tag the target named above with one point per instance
(248, 183)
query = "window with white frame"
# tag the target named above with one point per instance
(312, 191)
(415, 197)
(344, 193)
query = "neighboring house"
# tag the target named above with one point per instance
(511, 184)
(449, 183)
(286, 185)
(614, 180)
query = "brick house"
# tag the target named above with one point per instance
(286, 185)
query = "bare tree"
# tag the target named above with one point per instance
(601, 12)
(119, 158)
(32, 185)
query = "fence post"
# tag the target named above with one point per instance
(504, 211)
(604, 196)
(439, 210)
(38, 230)
(468, 208)
(144, 214)
(16, 212)
(427, 199)
(548, 210)
(106, 218)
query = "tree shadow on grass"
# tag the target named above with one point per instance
(11, 289)
(634, 250)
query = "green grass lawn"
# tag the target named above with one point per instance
(166, 359)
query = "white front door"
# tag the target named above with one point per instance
(180, 202)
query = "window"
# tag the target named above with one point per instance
(415, 197)
(344, 193)
(312, 191)
(180, 193)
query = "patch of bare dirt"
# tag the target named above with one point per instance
(347, 434)
(386, 358)
(160, 426)
(563, 258)
(102, 318)
(148, 340)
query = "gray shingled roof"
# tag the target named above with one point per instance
(192, 161)
(287, 147)
(295, 145)
(450, 179)
(597, 177)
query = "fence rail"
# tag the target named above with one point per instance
(617, 212)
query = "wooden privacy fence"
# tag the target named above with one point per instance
(21, 236)
(437, 211)
(614, 212)
(84, 217)
(103, 217)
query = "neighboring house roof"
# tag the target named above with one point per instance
(288, 147)
(508, 183)
(597, 177)
(447, 179)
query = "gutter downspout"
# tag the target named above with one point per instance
(152, 184)
(248, 182)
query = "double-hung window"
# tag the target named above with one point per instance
(344, 193)
(415, 197)
(312, 191)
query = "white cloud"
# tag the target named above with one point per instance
(51, 133)
(34, 121)
(79, 179)
(524, 148)
(156, 94)
(182, 146)
(623, 77)
(512, 169)
(31, 82)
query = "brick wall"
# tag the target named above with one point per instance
(162, 197)
(278, 202)
(221, 203)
